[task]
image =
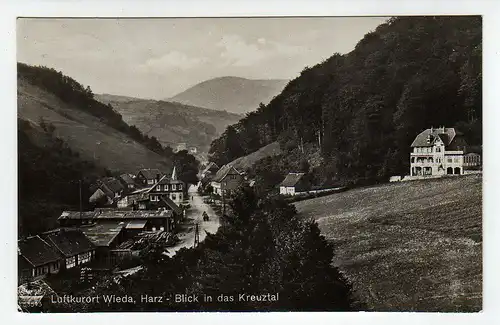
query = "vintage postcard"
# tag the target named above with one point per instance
(250, 164)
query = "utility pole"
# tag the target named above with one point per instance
(196, 235)
(80, 186)
(223, 203)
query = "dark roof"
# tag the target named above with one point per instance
(223, 172)
(291, 179)
(427, 137)
(104, 232)
(37, 251)
(210, 167)
(150, 173)
(69, 242)
(110, 186)
(127, 179)
(171, 204)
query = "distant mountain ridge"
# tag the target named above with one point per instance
(232, 94)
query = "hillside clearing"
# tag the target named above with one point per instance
(412, 246)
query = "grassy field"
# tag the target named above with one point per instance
(411, 246)
(84, 133)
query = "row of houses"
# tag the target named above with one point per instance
(52, 251)
(129, 190)
(133, 204)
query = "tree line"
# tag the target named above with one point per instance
(358, 113)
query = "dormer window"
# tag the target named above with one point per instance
(438, 149)
(179, 186)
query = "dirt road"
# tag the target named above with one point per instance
(194, 215)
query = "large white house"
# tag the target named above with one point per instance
(440, 151)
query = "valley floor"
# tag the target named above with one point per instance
(412, 246)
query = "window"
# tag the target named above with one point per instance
(450, 160)
(84, 257)
(456, 160)
(70, 262)
(173, 187)
(166, 187)
(174, 197)
(150, 181)
(179, 186)
(438, 149)
(158, 188)
(154, 198)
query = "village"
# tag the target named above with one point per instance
(133, 211)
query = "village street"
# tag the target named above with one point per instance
(193, 216)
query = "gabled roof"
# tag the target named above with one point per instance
(127, 179)
(210, 167)
(291, 179)
(150, 173)
(68, 242)
(110, 186)
(37, 251)
(171, 204)
(223, 172)
(428, 137)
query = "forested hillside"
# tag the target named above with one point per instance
(49, 177)
(45, 92)
(360, 111)
(172, 123)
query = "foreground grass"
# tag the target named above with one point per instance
(412, 246)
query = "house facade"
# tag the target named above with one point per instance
(52, 251)
(73, 246)
(169, 187)
(440, 151)
(226, 179)
(293, 184)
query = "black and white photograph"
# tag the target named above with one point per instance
(250, 164)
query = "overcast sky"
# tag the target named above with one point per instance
(158, 58)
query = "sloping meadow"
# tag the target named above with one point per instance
(412, 246)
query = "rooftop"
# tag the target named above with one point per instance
(37, 251)
(103, 214)
(291, 179)
(223, 172)
(103, 233)
(427, 137)
(68, 242)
